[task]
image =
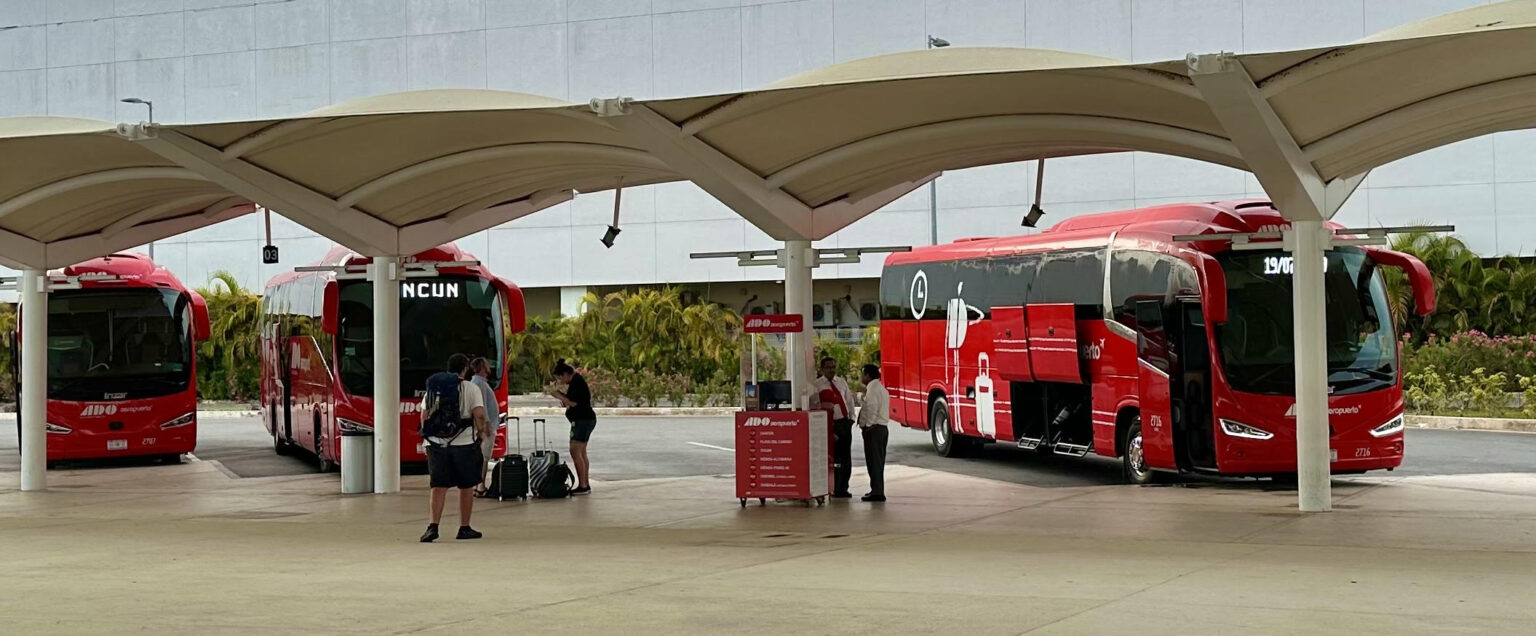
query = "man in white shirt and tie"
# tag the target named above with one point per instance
(830, 393)
(873, 417)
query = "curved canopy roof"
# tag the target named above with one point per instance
(394, 174)
(859, 126)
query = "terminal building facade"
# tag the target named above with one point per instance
(214, 60)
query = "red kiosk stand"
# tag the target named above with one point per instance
(783, 455)
(780, 454)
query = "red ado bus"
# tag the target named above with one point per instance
(122, 377)
(317, 346)
(1103, 334)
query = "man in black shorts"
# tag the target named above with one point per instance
(455, 462)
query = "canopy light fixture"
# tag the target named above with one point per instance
(613, 230)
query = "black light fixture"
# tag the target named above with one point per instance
(937, 43)
(613, 230)
(1032, 217)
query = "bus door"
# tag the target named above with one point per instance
(1156, 365)
(914, 406)
(1191, 394)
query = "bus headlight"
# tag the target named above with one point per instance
(352, 427)
(1239, 429)
(59, 429)
(185, 420)
(1391, 427)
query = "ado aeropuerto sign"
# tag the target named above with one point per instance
(774, 323)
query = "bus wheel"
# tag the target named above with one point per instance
(1133, 461)
(279, 445)
(171, 458)
(945, 442)
(326, 465)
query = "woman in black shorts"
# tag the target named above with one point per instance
(577, 399)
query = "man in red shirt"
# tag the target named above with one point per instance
(832, 395)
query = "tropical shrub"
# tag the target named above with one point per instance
(1461, 354)
(229, 362)
(7, 359)
(1470, 294)
(650, 330)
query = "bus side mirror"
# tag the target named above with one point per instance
(331, 311)
(1419, 278)
(201, 328)
(517, 316)
(1215, 289)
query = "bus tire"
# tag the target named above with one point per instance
(279, 445)
(171, 458)
(945, 441)
(326, 464)
(1133, 461)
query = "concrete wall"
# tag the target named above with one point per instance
(208, 60)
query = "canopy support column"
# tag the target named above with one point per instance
(1307, 241)
(34, 379)
(1301, 195)
(385, 274)
(798, 259)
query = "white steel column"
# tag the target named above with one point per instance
(1307, 201)
(385, 273)
(797, 260)
(34, 379)
(1307, 241)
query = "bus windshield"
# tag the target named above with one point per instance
(1258, 344)
(438, 318)
(118, 343)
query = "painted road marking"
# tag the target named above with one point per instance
(728, 450)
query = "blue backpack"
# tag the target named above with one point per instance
(441, 418)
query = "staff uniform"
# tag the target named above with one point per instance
(873, 417)
(834, 397)
(455, 462)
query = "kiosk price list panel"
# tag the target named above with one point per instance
(782, 455)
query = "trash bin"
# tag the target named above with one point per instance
(356, 462)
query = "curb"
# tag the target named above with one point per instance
(1471, 423)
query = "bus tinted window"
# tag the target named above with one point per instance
(1011, 279)
(438, 318)
(131, 341)
(1075, 276)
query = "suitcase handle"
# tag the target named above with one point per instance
(518, 423)
(536, 422)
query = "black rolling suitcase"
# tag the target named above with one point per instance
(509, 475)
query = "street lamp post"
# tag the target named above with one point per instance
(151, 105)
(933, 186)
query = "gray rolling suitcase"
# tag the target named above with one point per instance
(541, 459)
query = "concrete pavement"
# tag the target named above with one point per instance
(189, 549)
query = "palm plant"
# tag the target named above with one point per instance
(233, 349)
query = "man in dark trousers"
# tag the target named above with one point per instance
(873, 417)
(832, 395)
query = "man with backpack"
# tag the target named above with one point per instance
(452, 421)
